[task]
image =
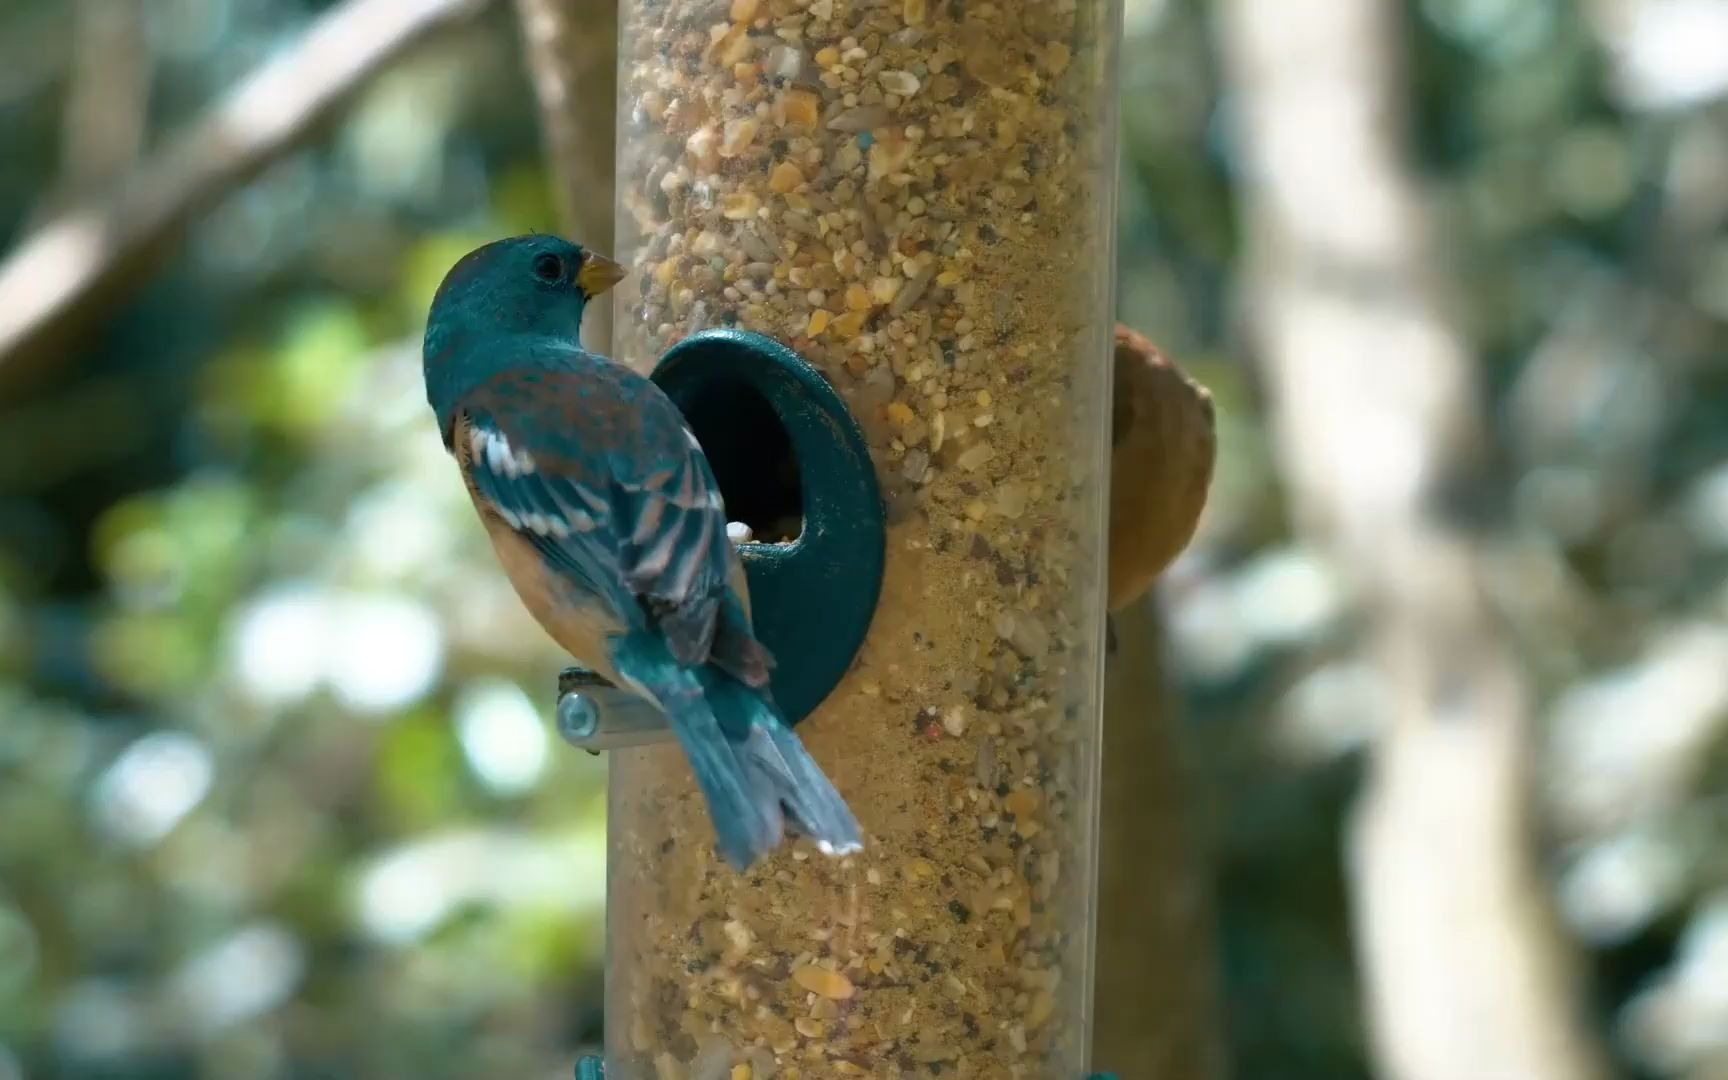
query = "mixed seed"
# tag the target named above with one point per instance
(916, 195)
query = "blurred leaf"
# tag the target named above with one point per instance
(522, 201)
(151, 654)
(314, 367)
(420, 772)
(426, 263)
(548, 945)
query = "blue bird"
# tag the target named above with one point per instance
(606, 517)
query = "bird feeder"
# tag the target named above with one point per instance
(915, 198)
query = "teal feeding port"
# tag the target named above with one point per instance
(794, 468)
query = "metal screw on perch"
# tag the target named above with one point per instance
(594, 715)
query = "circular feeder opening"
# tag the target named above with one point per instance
(791, 464)
(751, 454)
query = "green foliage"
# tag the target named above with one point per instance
(231, 778)
(419, 773)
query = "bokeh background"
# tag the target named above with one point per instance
(278, 794)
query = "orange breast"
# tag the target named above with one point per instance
(576, 622)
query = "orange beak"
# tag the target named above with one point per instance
(598, 273)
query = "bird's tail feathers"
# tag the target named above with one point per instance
(783, 775)
(754, 773)
(779, 762)
(744, 826)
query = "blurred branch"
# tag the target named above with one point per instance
(572, 58)
(33, 45)
(57, 279)
(1155, 997)
(1468, 975)
(108, 100)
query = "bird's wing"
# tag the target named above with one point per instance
(598, 471)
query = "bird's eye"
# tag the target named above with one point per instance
(548, 267)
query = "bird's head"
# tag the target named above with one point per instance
(535, 286)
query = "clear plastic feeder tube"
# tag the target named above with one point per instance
(919, 196)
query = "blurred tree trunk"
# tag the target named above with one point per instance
(107, 101)
(1155, 989)
(572, 56)
(1468, 975)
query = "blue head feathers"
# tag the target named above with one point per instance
(536, 286)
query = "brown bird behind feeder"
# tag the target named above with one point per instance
(1163, 444)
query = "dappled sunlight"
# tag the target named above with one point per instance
(50, 268)
(251, 971)
(408, 892)
(503, 736)
(151, 787)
